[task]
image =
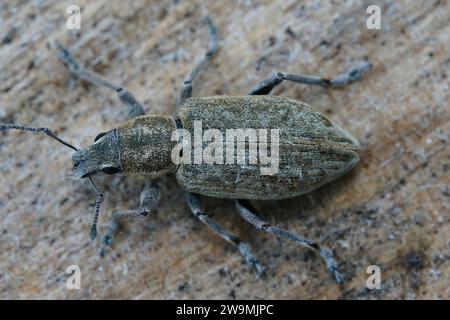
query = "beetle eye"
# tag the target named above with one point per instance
(99, 136)
(111, 170)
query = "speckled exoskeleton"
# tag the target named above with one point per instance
(312, 150)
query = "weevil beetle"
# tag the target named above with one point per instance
(312, 150)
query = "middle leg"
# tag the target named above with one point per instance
(197, 210)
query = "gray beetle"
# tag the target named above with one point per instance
(312, 150)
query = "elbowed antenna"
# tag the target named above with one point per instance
(47, 131)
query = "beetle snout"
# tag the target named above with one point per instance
(101, 156)
(86, 162)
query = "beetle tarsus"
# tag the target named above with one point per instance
(354, 74)
(105, 242)
(252, 261)
(332, 265)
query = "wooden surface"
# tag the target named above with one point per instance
(392, 210)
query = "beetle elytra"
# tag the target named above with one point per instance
(312, 150)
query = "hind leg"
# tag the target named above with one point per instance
(249, 214)
(354, 74)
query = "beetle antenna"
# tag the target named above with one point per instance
(47, 131)
(98, 202)
(50, 133)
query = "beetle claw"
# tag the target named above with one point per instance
(106, 242)
(262, 271)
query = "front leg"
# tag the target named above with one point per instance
(149, 200)
(186, 87)
(135, 108)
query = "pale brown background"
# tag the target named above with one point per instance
(391, 210)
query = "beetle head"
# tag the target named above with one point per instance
(101, 156)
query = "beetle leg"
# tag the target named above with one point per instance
(107, 239)
(134, 107)
(149, 200)
(249, 214)
(354, 74)
(196, 207)
(186, 87)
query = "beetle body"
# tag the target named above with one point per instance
(312, 150)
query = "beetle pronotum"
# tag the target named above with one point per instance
(312, 150)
